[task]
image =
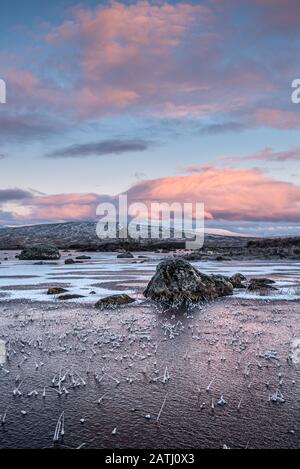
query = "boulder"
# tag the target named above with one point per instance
(41, 252)
(237, 281)
(69, 261)
(69, 296)
(56, 291)
(125, 255)
(177, 282)
(83, 258)
(260, 284)
(113, 301)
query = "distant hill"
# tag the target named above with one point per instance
(82, 235)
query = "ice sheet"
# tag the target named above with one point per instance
(102, 268)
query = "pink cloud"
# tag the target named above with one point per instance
(229, 194)
(277, 119)
(268, 154)
(164, 60)
(61, 207)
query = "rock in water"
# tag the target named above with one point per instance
(83, 258)
(125, 255)
(177, 282)
(69, 261)
(261, 284)
(41, 252)
(69, 296)
(237, 281)
(56, 291)
(113, 301)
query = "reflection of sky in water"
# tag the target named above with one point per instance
(81, 278)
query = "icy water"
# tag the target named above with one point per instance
(139, 377)
(104, 273)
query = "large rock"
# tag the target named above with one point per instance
(113, 301)
(40, 252)
(176, 281)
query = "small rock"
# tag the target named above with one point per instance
(125, 255)
(113, 301)
(237, 281)
(56, 291)
(69, 296)
(69, 261)
(259, 284)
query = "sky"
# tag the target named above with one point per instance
(179, 101)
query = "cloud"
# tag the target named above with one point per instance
(182, 60)
(276, 118)
(29, 126)
(6, 218)
(213, 129)
(268, 154)
(12, 195)
(194, 168)
(62, 207)
(228, 194)
(108, 147)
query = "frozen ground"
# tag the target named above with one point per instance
(110, 373)
(139, 377)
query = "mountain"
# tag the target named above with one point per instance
(82, 236)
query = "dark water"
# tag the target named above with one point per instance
(133, 351)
